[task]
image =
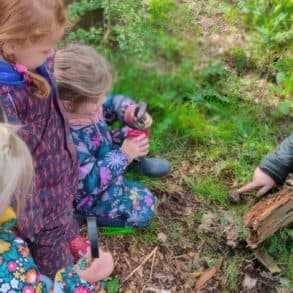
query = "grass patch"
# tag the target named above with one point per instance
(208, 189)
(232, 269)
(208, 110)
(279, 246)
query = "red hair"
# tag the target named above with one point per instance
(30, 20)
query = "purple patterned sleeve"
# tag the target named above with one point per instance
(115, 106)
(96, 175)
(119, 134)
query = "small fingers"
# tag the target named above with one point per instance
(141, 139)
(144, 153)
(248, 187)
(144, 147)
(263, 190)
(149, 121)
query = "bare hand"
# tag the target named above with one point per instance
(137, 117)
(147, 122)
(99, 268)
(261, 181)
(136, 147)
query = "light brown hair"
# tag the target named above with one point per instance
(16, 168)
(81, 73)
(30, 20)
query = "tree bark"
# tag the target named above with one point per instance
(269, 215)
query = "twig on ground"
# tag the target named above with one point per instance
(155, 290)
(127, 261)
(142, 264)
(153, 262)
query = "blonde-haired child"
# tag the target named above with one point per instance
(18, 271)
(84, 79)
(29, 30)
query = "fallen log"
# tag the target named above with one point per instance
(269, 215)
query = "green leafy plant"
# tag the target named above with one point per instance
(110, 23)
(271, 21)
(270, 24)
(279, 246)
(113, 285)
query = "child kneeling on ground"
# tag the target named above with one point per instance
(84, 79)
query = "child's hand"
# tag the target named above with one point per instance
(261, 181)
(98, 269)
(137, 117)
(148, 120)
(136, 147)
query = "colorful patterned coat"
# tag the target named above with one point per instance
(47, 223)
(19, 273)
(102, 189)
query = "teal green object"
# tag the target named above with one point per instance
(83, 263)
(117, 230)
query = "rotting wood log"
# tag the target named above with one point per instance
(269, 215)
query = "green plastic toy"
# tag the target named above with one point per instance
(116, 230)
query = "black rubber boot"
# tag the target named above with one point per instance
(153, 167)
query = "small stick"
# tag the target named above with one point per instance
(127, 261)
(153, 262)
(144, 261)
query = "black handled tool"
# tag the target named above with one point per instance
(93, 236)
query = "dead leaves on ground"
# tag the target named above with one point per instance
(207, 275)
(255, 280)
(177, 264)
(228, 230)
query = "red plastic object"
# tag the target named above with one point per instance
(135, 132)
(79, 248)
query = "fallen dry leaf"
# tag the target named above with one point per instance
(162, 237)
(207, 221)
(258, 280)
(248, 282)
(160, 276)
(155, 290)
(207, 275)
(232, 235)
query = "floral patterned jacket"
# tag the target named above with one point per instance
(102, 163)
(19, 273)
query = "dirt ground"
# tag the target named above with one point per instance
(174, 256)
(177, 252)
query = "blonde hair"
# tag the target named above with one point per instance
(81, 73)
(30, 20)
(16, 168)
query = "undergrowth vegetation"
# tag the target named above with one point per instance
(222, 111)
